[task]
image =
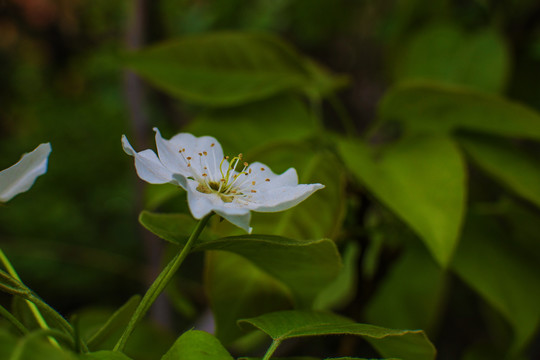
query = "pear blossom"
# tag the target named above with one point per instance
(20, 177)
(230, 187)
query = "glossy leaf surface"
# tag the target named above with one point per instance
(421, 179)
(405, 344)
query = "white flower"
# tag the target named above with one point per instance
(213, 183)
(21, 176)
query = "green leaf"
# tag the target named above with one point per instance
(422, 179)
(411, 294)
(237, 289)
(116, 322)
(243, 128)
(504, 276)
(7, 344)
(175, 228)
(31, 347)
(447, 54)
(437, 108)
(282, 358)
(197, 345)
(405, 344)
(342, 290)
(306, 267)
(104, 355)
(507, 164)
(223, 69)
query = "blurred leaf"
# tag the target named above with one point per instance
(422, 179)
(104, 355)
(343, 288)
(411, 294)
(7, 344)
(223, 69)
(506, 164)
(240, 129)
(282, 358)
(306, 267)
(237, 289)
(437, 108)
(149, 341)
(505, 277)
(197, 345)
(31, 347)
(175, 228)
(322, 214)
(116, 322)
(282, 325)
(447, 54)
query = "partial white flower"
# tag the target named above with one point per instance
(21, 176)
(229, 187)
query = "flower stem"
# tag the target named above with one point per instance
(271, 349)
(13, 320)
(160, 283)
(33, 308)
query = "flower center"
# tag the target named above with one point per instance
(228, 184)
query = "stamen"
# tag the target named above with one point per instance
(205, 153)
(212, 145)
(200, 154)
(266, 179)
(189, 158)
(253, 183)
(253, 191)
(262, 169)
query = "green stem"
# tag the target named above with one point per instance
(13, 320)
(271, 349)
(33, 308)
(160, 283)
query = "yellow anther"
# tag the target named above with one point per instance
(253, 191)
(266, 179)
(253, 183)
(245, 163)
(189, 158)
(205, 153)
(212, 145)
(262, 169)
(200, 154)
(204, 175)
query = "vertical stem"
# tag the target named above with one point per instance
(13, 320)
(271, 349)
(33, 308)
(160, 283)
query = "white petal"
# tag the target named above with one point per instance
(21, 176)
(205, 154)
(170, 155)
(265, 178)
(282, 198)
(201, 204)
(148, 166)
(241, 219)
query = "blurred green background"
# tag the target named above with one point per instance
(75, 239)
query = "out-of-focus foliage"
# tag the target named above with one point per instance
(421, 118)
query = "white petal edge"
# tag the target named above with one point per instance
(21, 176)
(283, 198)
(148, 166)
